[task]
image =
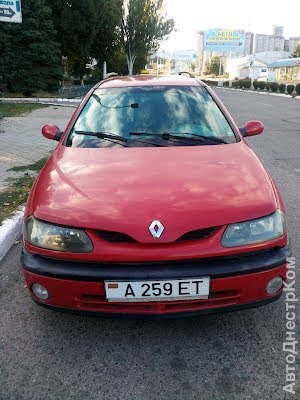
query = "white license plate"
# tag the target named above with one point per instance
(180, 289)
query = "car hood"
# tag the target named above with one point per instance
(124, 190)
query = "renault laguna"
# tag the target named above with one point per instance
(153, 204)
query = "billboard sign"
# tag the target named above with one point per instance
(185, 56)
(10, 11)
(224, 40)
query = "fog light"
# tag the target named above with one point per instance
(40, 291)
(274, 285)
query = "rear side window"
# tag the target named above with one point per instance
(181, 110)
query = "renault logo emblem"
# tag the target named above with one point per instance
(156, 228)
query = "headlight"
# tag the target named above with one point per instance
(257, 230)
(54, 237)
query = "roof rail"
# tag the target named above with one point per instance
(187, 73)
(110, 74)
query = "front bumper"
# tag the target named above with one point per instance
(236, 283)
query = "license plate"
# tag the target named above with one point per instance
(181, 289)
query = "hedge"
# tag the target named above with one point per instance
(282, 88)
(290, 89)
(262, 85)
(274, 87)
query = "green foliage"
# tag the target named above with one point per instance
(30, 56)
(290, 89)
(36, 166)
(143, 27)
(15, 109)
(282, 88)
(255, 85)
(86, 29)
(244, 83)
(226, 83)
(298, 88)
(297, 51)
(268, 86)
(210, 82)
(212, 67)
(262, 85)
(274, 87)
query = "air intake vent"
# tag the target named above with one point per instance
(198, 234)
(118, 237)
(115, 237)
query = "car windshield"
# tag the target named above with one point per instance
(162, 116)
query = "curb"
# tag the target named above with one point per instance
(287, 96)
(10, 231)
(42, 100)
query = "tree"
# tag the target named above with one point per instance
(297, 51)
(143, 27)
(86, 30)
(75, 22)
(30, 56)
(213, 66)
(107, 43)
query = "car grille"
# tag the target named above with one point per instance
(100, 304)
(119, 237)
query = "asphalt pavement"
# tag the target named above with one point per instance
(53, 356)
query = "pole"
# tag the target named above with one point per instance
(220, 70)
(104, 69)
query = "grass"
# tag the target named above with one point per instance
(17, 192)
(14, 195)
(35, 94)
(14, 110)
(37, 166)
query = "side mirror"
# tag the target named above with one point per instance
(51, 132)
(252, 128)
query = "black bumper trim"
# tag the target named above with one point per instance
(189, 314)
(215, 268)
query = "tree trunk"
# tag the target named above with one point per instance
(130, 64)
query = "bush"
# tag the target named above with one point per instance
(298, 88)
(210, 82)
(282, 88)
(226, 83)
(235, 84)
(247, 84)
(274, 87)
(261, 85)
(268, 86)
(255, 84)
(290, 89)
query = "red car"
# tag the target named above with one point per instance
(152, 204)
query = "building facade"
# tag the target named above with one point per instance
(293, 43)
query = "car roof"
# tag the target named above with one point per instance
(149, 80)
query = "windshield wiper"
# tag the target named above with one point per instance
(111, 136)
(191, 136)
(102, 135)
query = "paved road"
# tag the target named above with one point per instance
(21, 141)
(44, 355)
